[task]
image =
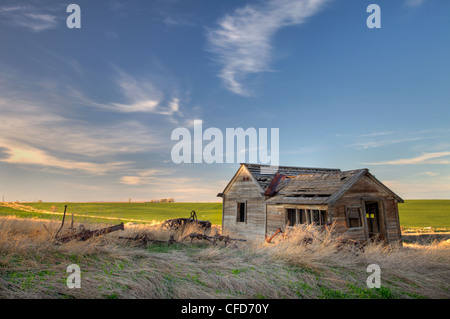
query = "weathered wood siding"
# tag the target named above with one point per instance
(363, 190)
(392, 221)
(338, 211)
(275, 218)
(244, 190)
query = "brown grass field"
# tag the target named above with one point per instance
(33, 265)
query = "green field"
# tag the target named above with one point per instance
(425, 213)
(145, 212)
(413, 213)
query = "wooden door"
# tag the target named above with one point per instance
(373, 219)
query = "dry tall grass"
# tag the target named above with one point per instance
(32, 265)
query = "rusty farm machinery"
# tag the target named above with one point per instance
(176, 225)
(180, 223)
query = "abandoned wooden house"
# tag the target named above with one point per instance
(257, 202)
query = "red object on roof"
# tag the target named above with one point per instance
(273, 185)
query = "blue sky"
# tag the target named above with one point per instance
(87, 114)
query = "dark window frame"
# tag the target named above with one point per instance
(302, 219)
(241, 212)
(302, 216)
(350, 213)
(318, 217)
(291, 217)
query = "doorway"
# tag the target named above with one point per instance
(373, 219)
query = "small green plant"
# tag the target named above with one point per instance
(237, 271)
(196, 279)
(328, 293)
(385, 292)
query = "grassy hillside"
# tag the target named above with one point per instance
(33, 265)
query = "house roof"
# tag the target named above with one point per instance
(264, 174)
(302, 185)
(316, 188)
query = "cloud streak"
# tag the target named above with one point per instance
(386, 138)
(383, 142)
(425, 158)
(144, 177)
(27, 155)
(140, 96)
(242, 39)
(29, 17)
(414, 3)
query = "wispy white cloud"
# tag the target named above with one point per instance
(374, 134)
(426, 140)
(432, 174)
(384, 138)
(29, 16)
(242, 39)
(28, 155)
(140, 95)
(303, 150)
(144, 177)
(414, 3)
(383, 142)
(425, 158)
(178, 21)
(10, 9)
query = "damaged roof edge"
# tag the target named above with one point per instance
(346, 186)
(292, 167)
(351, 181)
(387, 189)
(263, 175)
